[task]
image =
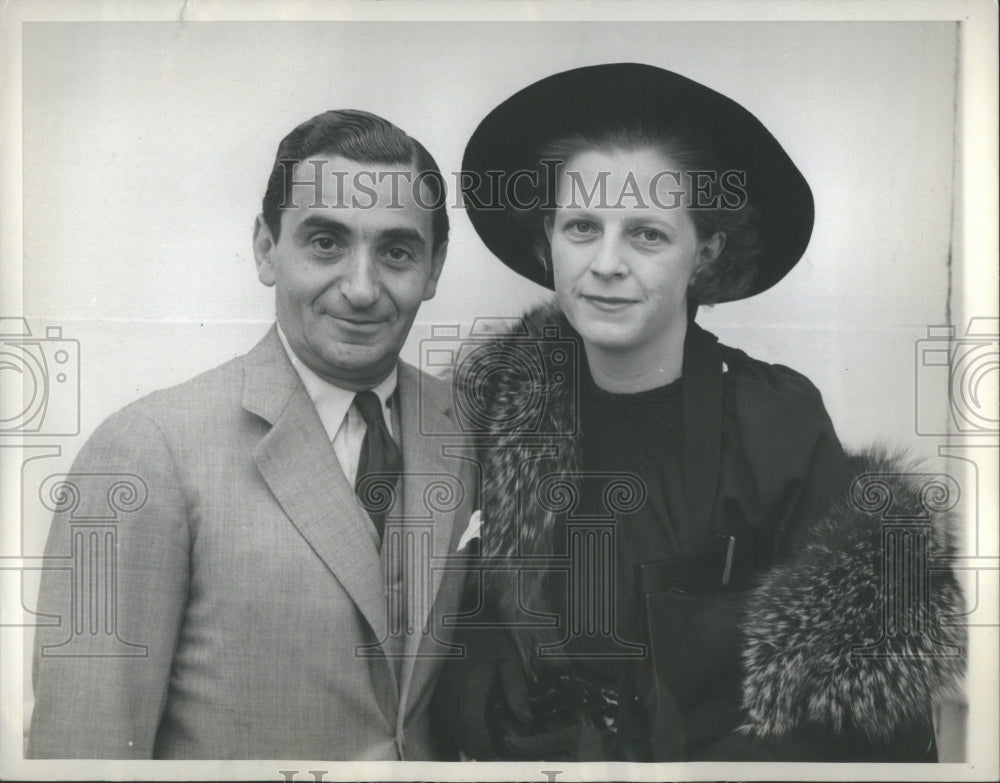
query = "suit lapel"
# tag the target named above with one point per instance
(423, 413)
(299, 465)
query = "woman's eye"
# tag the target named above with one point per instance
(650, 235)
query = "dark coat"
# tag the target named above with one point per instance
(793, 657)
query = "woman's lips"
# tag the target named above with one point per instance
(608, 303)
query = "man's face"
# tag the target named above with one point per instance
(350, 268)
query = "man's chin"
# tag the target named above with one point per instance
(354, 361)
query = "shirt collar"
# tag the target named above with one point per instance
(333, 402)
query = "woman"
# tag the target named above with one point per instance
(668, 543)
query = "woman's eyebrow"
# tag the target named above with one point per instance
(651, 216)
(577, 210)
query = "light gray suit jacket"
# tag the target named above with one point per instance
(235, 606)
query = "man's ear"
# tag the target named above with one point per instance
(263, 250)
(547, 225)
(437, 264)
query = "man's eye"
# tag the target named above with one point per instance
(325, 244)
(399, 255)
(581, 228)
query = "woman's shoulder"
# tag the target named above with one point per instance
(778, 412)
(761, 385)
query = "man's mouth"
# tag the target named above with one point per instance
(358, 321)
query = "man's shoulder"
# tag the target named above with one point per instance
(422, 392)
(142, 436)
(199, 402)
(410, 375)
(196, 395)
(204, 384)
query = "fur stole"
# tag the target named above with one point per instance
(533, 448)
(862, 628)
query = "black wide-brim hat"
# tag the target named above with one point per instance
(594, 98)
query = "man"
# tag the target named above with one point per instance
(261, 608)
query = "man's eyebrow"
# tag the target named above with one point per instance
(324, 222)
(404, 235)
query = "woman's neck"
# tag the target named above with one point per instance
(641, 367)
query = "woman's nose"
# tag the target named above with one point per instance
(360, 285)
(607, 261)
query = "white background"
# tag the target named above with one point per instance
(147, 146)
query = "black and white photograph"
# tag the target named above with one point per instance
(499, 391)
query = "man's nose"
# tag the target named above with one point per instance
(360, 283)
(608, 259)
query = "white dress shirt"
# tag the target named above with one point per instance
(340, 417)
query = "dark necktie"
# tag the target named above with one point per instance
(380, 462)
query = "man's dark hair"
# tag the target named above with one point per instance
(358, 136)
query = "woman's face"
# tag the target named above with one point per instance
(624, 247)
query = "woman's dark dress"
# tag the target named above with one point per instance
(739, 461)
